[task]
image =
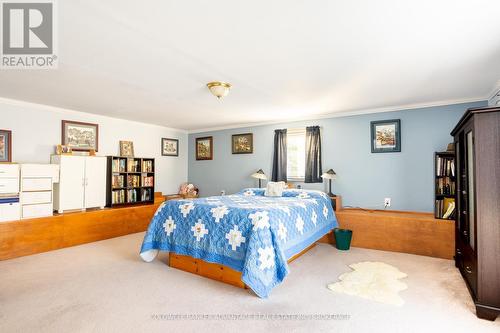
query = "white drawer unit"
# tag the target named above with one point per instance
(32, 198)
(36, 189)
(9, 192)
(9, 210)
(9, 185)
(9, 171)
(30, 211)
(36, 184)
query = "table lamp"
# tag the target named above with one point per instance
(259, 175)
(330, 174)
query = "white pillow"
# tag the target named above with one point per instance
(274, 189)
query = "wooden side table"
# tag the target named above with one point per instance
(336, 202)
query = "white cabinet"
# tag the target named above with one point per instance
(9, 192)
(95, 182)
(82, 182)
(36, 189)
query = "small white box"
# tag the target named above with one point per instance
(10, 211)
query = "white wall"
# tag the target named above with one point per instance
(36, 130)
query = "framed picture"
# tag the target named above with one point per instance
(204, 148)
(126, 149)
(169, 147)
(242, 143)
(80, 136)
(5, 146)
(386, 136)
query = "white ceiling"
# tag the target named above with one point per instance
(149, 61)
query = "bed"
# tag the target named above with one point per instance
(252, 235)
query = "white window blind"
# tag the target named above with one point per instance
(296, 154)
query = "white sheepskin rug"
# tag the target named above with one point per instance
(376, 281)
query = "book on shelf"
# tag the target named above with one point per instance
(133, 165)
(133, 181)
(147, 166)
(132, 195)
(118, 181)
(118, 196)
(445, 208)
(445, 186)
(445, 166)
(146, 194)
(118, 165)
(148, 181)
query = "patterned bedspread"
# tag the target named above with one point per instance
(247, 231)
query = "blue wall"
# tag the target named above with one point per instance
(363, 179)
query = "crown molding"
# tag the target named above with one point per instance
(404, 107)
(45, 107)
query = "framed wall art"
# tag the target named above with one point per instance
(204, 148)
(386, 136)
(126, 149)
(169, 147)
(80, 136)
(242, 143)
(5, 146)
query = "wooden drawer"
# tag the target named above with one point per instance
(9, 171)
(9, 185)
(30, 198)
(36, 184)
(40, 210)
(9, 211)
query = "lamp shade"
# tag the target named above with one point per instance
(259, 175)
(219, 89)
(330, 174)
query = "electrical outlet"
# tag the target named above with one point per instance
(387, 202)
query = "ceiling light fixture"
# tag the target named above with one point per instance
(219, 89)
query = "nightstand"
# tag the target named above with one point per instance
(336, 202)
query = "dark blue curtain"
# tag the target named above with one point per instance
(279, 157)
(313, 155)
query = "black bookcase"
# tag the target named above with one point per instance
(444, 184)
(130, 181)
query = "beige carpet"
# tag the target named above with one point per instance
(106, 287)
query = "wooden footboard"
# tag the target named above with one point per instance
(214, 271)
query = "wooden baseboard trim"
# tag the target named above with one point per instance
(398, 231)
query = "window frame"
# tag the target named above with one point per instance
(295, 132)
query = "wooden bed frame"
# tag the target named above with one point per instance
(214, 271)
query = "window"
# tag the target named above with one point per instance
(296, 154)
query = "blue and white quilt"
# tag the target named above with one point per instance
(247, 231)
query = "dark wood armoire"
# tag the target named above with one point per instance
(477, 256)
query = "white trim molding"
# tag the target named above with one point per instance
(345, 114)
(45, 107)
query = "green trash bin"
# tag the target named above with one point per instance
(342, 238)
